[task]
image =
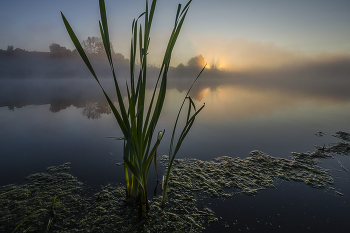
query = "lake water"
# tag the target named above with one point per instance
(48, 122)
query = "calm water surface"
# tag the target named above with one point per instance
(49, 122)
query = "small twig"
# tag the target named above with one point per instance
(183, 207)
(194, 222)
(341, 165)
(204, 213)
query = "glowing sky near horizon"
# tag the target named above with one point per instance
(233, 34)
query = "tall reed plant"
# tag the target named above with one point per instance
(136, 120)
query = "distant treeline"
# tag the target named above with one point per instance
(61, 62)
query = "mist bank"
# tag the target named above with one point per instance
(21, 64)
(65, 81)
(317, 78)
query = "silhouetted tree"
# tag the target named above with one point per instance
(214, 66)
(118, 56)
(196, 61)
(9, 48)
(119, 59)
(8, 51)
(180, 66)
(58, 50)
(75, 52)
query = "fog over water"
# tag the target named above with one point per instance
(320, 80)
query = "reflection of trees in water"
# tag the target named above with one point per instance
(12, 107)
(58, 105)
(93, 110)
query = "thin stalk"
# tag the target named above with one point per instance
(188, 125)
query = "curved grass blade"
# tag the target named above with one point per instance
(29, 216)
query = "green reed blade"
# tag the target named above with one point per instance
(163, 70)
(105, 39)
(88, 64)
(189, 109)
(188, 125)
(147, 160)
(185, 131)
(177, 14)
(105, 28)
(186, 7)
(79, 47)
(135, 171)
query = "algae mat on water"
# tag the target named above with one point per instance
(254, 173)
(247, 175)
(105, 211)
(108, 211)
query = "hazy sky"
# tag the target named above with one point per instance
(234, 34)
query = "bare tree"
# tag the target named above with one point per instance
(94, 45)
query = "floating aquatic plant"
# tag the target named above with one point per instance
(136, 121)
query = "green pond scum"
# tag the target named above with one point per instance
(190, 181)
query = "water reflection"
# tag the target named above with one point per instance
(94, 110)
(235, 101)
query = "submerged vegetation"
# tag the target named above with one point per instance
(137, 121)
(191, 180)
